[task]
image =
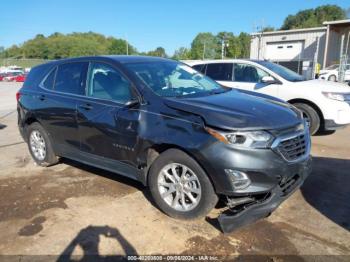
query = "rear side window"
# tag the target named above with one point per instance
(199, 68)
(49, 80)
(70, 78)
(220, 71)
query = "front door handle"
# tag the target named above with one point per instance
(42, 97)
(86, 107)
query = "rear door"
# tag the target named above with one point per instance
(62, 88)
(220, 72)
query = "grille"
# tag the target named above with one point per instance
(288, 185)
(293, 148)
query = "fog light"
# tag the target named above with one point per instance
(239, 179)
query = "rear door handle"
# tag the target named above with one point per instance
(86, 107)
(42, 97)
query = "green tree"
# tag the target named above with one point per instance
(205, 45)
(244, 42)
(119, 46)
(268, 29)
(237, 46)
(313, 17)
(159, 51)
(182, 53)
(59, 45)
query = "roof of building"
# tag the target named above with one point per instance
(291, 31)
(338, 22)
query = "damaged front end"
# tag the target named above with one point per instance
(245, 210)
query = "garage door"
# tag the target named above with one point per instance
(283, 51)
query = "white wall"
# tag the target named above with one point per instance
(308, 37)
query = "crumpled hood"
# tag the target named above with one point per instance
(235, 110)
(324, 86)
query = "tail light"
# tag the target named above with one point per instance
(18, 96)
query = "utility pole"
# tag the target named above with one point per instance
(343, 58)
(203, 51)
(127, 45)
(315, 57)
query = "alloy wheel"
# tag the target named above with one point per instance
(179, 187)
(37, 145)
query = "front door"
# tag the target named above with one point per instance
(107, 127)
(249, 77)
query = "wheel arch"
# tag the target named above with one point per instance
(154, 151)
(309, 103)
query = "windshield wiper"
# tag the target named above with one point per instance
(218, 91)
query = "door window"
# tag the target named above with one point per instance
(199, 68)
(248, 73)
(49, 80)
(220, 71)
(70, 78)
(105, 82)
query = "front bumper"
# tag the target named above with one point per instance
(329, 124)
(237, 217)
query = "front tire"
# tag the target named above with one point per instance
(311, 116)
(332, 78)
(180, 187)
(40, 146)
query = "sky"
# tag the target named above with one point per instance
(145, 24)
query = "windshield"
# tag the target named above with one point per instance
(332, 67)
(172, 79)
(282, 71)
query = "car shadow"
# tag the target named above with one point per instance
(88, 240)
(104, 173)
(112, 176)
(328, 189)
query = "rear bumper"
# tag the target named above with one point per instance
(234, 218)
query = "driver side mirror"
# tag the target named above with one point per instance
(268, 80)
(132, 102)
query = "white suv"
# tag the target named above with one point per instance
(325, 105)
(331, 73)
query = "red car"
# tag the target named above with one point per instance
(20, 78)
(2, 75)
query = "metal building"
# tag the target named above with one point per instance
(301, 49)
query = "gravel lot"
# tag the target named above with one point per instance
(74, 209)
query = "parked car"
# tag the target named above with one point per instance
(20, 78)
(176, 131)
(11, 76)
(325, 105)
(2, 75)
(331, 73)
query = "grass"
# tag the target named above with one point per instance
(21, 62)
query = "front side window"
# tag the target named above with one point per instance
(70, 78)
(282, 71)
(248, 73)
(220, 71)
(172, 79)
(105, 82)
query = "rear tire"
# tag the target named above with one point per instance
(311, 116)
(189, 194)
(40, 146)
